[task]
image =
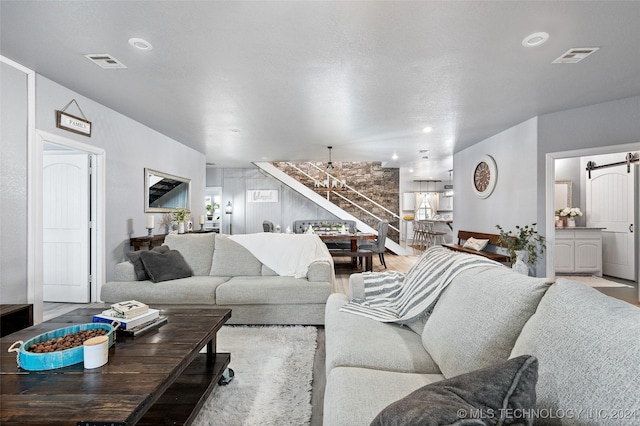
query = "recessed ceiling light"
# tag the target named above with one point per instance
(535, 39)
(428, 129)
(141, 44)
(410, 170)
(394, 156)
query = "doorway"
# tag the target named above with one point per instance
(67, 210)
(632, 252)
(66, 251)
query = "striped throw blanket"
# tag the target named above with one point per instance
(395, 297)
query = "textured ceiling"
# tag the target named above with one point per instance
(253, 81)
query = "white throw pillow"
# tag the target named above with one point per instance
(475, 244)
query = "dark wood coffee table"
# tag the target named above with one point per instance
(154, 379)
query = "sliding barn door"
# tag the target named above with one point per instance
(610, 197)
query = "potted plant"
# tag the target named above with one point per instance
(209, 208)
(180, 215)
(524, 241)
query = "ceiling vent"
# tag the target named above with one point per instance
(105, 61)
(575, 55)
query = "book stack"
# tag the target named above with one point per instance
(135, 317)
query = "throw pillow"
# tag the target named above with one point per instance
(138, 267)
(165, 266)
(502, 394)
(475, 244)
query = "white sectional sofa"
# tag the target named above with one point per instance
(226, 274)
(586, 344)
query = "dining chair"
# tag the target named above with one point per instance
(267, 226)
(377, 245)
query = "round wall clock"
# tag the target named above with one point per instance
(485, 175)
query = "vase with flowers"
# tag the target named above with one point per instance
(570, 214)
(524, 242)
(179, 216)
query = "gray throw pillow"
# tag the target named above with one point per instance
(165, 266)
(138, 267)
(502, 394)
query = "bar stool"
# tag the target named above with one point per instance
(437, 237)
(417, 233)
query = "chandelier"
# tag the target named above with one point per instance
(330, 179)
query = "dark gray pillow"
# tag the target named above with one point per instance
(500, 394)
(138, 267)
(165, 266)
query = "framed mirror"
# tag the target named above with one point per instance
(563, 194)
(165, 193)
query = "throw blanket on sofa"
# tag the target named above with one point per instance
(288, 255)
(396, 297)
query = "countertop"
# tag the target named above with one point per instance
(581, 228)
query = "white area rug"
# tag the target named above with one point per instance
(593, 281)
(273, 369)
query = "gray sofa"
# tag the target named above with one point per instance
(586, 344)
(228, 275)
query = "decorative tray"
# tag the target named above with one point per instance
(47, 361)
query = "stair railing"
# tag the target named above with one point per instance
(344, 185)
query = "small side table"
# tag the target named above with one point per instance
(15, 317)
(138, 242)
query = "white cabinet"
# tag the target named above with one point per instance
(578, 250)
(408, 201)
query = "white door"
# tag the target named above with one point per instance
(66, 255)
(610, 197)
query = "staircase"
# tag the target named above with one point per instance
(323, 202)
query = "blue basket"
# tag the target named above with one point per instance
(51, 360)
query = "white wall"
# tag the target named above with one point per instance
(513, 201)
(130, 147)
(13, 185)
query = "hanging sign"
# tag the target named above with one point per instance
(69, 122)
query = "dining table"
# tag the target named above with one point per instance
(353, 252)
(340, 237)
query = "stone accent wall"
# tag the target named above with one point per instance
(371, 179)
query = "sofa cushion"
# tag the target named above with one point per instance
(587, 345)
(354, 396)
(197, 249)
(138, 266)
(185, 291)
(271, 291)
(502, 394)
(165, 266)
(231, 259)
(353, 340)
(479, 317)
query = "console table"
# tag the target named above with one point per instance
(138, 242)
(15, 317)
